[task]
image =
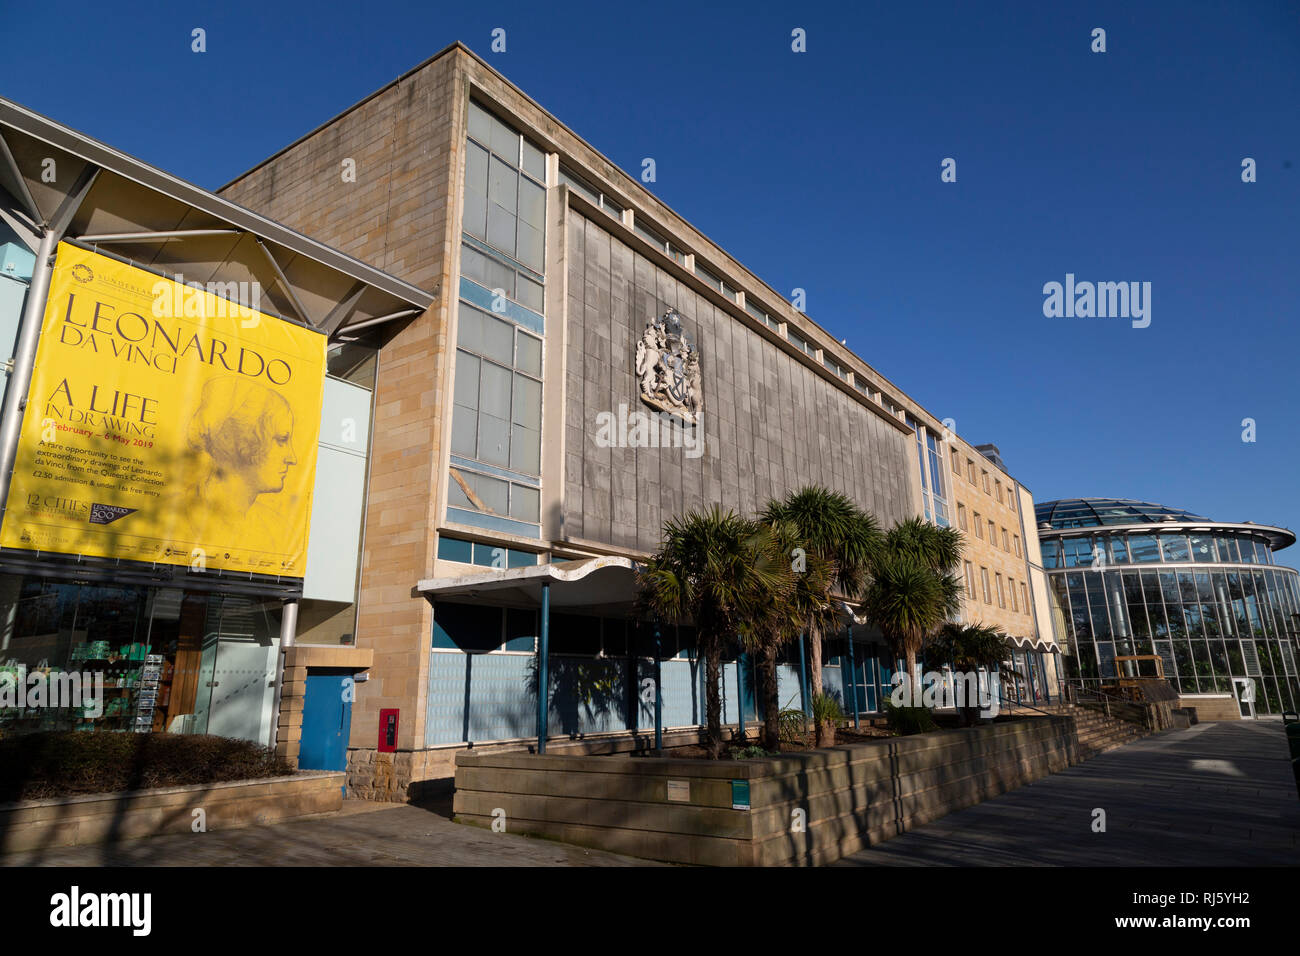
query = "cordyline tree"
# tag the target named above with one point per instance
(914, 588)
(719, 571)
(805, 597)
(969, 647)
(837, 533)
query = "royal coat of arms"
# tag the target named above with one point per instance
(668, 367)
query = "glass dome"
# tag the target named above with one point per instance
(1096, 512)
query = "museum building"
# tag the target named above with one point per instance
(1207, 597)
(593, 366)
(181, 389)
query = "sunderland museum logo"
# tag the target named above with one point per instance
(668, 367)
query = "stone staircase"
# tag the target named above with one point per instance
(1097, 732)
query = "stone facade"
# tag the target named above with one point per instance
(785, 403)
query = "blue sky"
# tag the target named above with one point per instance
(821, 170)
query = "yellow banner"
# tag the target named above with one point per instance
(165, 423)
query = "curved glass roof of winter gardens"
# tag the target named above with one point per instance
(1092, 512)
(1066, 514)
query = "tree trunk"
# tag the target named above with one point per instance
(913, 678)
(712, 697)
(814, 662)
(771, 700)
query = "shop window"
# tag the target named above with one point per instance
(471, 628)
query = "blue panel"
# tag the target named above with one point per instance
(788, 687)
(501, 702)
(326, 722)
(494, 522)
(588, 696)
(833, 682)
(455, 549)
(475, 294)
(682, 706)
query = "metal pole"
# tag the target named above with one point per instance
(853, 676)
(740, 693)
(659, 713)
(288, 634)
(803, 677)
(543, 675)
(11, 423)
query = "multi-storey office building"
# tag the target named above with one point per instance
(594, 366)
(1131, 577)
(1005, 584)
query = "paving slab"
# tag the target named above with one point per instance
(361, 834)
(1217, 794)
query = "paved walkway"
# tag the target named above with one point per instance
(1217, 794)
(362, 834)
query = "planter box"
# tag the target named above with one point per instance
(850, 796)
(100, 818)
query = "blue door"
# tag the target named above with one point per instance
(326, 721)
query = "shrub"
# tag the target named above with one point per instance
(906, 721)
(36, 766)
(750, 753)
(792, 723)
(826, 707)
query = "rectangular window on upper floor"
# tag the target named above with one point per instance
(505, 191)
(497, 415)
(758, 312)
(799, 342)
(591, 194)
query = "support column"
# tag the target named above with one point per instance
(288, 634)
(659, 712)
(543, 669)
(803, 677)
(853, 677)
(20, 379)
(740, 693)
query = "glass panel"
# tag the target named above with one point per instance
(505, 142)
(531, 251)
(532, 204)
(534, 161)
(480, 124)
(1203, 548)
(498, 340)
(1143, 548)
(464, 432)
(501, 228)
(530, 293)
(494, 441)
(494, 393)
(526, 503)
(1174, 547)
(526, 450)
(527, 402)
(467, 367)
(528, 354)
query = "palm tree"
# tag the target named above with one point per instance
(914, 589)
(804, 597)
(719, 571)
(833, 530)
(969, 647)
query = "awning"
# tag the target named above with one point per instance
(114, 203)
(594, 584)
(1032, 643)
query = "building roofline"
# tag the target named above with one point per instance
(113, 160)
(1278, 537)
(896, 392)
